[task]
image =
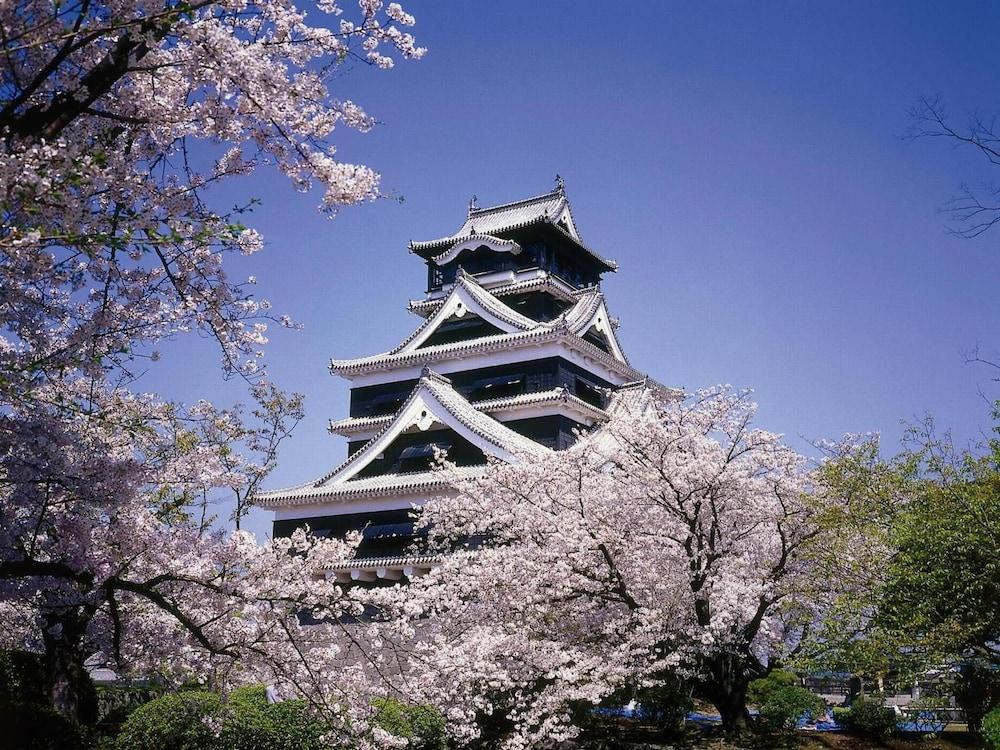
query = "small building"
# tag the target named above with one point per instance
(516, 354)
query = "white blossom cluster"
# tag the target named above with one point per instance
(669, 542)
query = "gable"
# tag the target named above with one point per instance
(465, 299)
(433, 406)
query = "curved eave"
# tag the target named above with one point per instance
(431, 248)
(385, 485)
(428, 248)
(357, 367)
(473, 242)
(375, 563)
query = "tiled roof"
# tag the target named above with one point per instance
(576, 321)
(378, 486)
(492, 309)
(552, 284)
(579, 315)
(591, 310)
(432, 388)
(549, 208)
(373, 563)
(482, 424)
(427, 354)
(504, 217)
(471, 242)
(539, 397)
(351, 425)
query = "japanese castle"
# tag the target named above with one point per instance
(515, 355)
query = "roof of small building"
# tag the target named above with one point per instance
(373, 563)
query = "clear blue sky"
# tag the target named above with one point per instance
(742, 162)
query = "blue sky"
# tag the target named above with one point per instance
(742, 162)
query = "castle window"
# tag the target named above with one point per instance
(420, 457)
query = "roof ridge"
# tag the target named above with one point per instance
(521, 202)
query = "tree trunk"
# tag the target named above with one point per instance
(732, 707)
(64, 669)
(976, 692)
(729, 676)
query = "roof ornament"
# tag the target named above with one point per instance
(472, 204)
(560, 185)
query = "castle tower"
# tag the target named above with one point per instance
(515, 354)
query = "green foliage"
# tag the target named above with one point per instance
(115, 702)
(245, 721)
(423, 726)
(250, 723)
(917, 545)
(869, 718)
(666, 704)
(22, 677)
(30, 726)
(781, 701)
(991, 729)
(944, 581)
(172, 722)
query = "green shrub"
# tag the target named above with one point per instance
(871, 718)
(172, 722)
(193, 720)
(292, 727)
(22, 677)
(423, 726)
(30, 726)
(245, 721)
(250, 723)
(116, 703)
(782, 702)
(991, 729)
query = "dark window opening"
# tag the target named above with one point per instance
(419, 457)
(461, 329)
(389, 403)
(589, 393)
(501, 387)
(597, 339)
(403, 530)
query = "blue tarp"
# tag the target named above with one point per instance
(924, 723)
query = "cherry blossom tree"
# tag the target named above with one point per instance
(116, 118)
(672, 541)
